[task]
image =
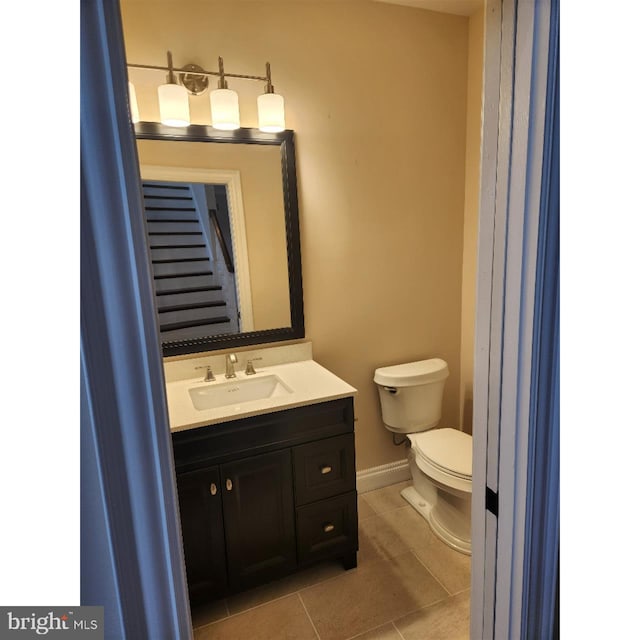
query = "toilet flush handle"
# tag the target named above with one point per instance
(390, 389)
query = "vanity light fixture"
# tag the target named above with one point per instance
(225, 113)
(270, 108)
(173, 100)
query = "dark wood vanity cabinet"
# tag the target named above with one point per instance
(258, 519)
(261, 497)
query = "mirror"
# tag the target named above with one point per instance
(222, 223)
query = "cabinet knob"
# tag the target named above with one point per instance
(213, 488)
(229, 484)
(328, 528)
(326, 469)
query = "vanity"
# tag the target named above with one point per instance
(263, 436)
(266, 486)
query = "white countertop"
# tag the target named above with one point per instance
(308, 381)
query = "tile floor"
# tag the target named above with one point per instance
(407, 586)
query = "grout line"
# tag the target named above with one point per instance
(261, 604)
(366, 493)
(384, 624)
(380, 513)
(431, 573)
(313, 584)
(308, 616)
(426, 606)
(239, 613)
(206, 624)
(285, 595)
(202, 626)
(396, 628)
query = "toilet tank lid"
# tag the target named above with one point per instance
(412, 373)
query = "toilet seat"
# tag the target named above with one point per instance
(448, 449)
(445, 455)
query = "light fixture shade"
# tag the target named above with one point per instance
(133, 104)
(225, 112)
(174, 105)
(271, 112)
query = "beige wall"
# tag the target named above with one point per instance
(471, 203)
(263, 206)
(376, 95)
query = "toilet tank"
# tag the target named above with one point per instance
(411, 394)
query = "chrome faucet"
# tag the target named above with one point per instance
(230, 360)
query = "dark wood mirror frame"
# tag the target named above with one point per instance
(202, 133)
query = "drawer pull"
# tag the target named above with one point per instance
(326, 469)
(328, 528)
(213, 488)
(229, 484)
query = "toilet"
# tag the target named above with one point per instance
(440, 457)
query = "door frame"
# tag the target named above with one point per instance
(131, 545)
(518, 43)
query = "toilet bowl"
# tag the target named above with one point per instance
(439, 458)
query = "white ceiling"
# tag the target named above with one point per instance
(459, 7)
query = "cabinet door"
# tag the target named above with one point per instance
(259, 518)
(200, 498)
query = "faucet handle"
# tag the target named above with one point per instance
(250, 371)
(209, 375)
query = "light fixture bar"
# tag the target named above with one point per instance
(199, 72)
(171, 78)
(269, 87)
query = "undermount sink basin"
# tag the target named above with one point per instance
(222, 394)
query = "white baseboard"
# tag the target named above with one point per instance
(382, 476)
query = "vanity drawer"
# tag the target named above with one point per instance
(327, 528)
(324, 468)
